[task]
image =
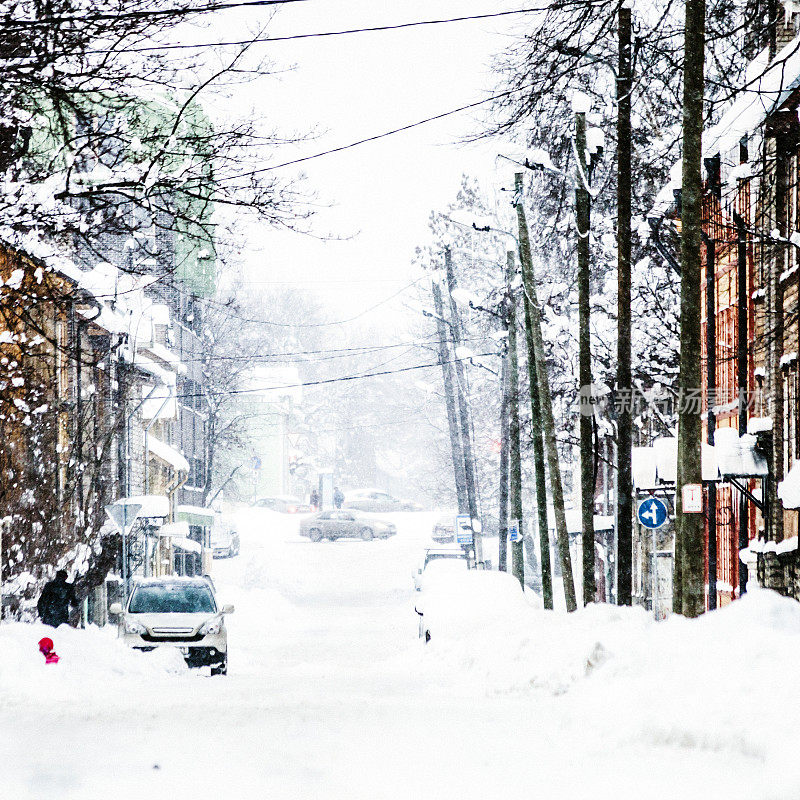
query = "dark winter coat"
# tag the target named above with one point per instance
(338, 499)
(56, 598)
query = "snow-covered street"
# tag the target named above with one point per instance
(331, 694)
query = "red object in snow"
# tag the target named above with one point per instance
(46, 649)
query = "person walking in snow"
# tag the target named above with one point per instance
(338, 497)
(314, 499)
(56, 599)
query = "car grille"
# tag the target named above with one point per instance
(188, 636)
(173, 631)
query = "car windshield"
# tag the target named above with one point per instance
(172, 598)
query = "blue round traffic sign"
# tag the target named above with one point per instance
(652, 513)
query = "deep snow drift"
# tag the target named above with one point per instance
(331, 695)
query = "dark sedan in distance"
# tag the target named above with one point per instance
(345, 524)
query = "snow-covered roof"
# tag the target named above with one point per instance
(731, 456)
(153, 505)
(185, 543)
(766, 87)
(180, 528)
(759, 424)
(737, 455)
(164, 354)
(167, 453)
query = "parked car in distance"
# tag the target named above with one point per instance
(284, 504)
(444, 558)
(377, 501)
(224, 542)
(444, 529)
(464, 605)
(345, 523)
(177, 612)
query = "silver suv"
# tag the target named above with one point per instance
(177, 612)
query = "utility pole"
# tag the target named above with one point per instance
(515, 460)
(624, 481)
(456, 449)
(462, 394)
(689, 594)
(538, 460)
(549, 426)
(582, 217)
(504, 436)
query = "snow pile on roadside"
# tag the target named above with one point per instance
(88, 658)
(720, 683)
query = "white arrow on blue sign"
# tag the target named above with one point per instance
(514, 534)
(652, 513)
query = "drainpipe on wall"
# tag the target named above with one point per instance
(741, 375)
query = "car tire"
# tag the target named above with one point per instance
(366, 534)
(221, 669)
(315, 535)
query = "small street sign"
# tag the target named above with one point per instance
(123, 515)
(652, 513)
(514, 532)
(692, 496)
(464, 529)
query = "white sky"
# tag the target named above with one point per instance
(350, 87)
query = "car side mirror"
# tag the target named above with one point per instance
(115, 608)
(229, 609)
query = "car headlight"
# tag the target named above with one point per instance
(132, 626)
(212, 627)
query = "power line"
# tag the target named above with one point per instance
(181, 11)
(326, 381)
(383, 135)
(321, 324)
(324, 34)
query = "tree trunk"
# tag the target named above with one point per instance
(549, 425)
(456, 449)
(689, 556)
(503, 493)
(515, 461)
(538, 461)
(582, 217)
(624, 481)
